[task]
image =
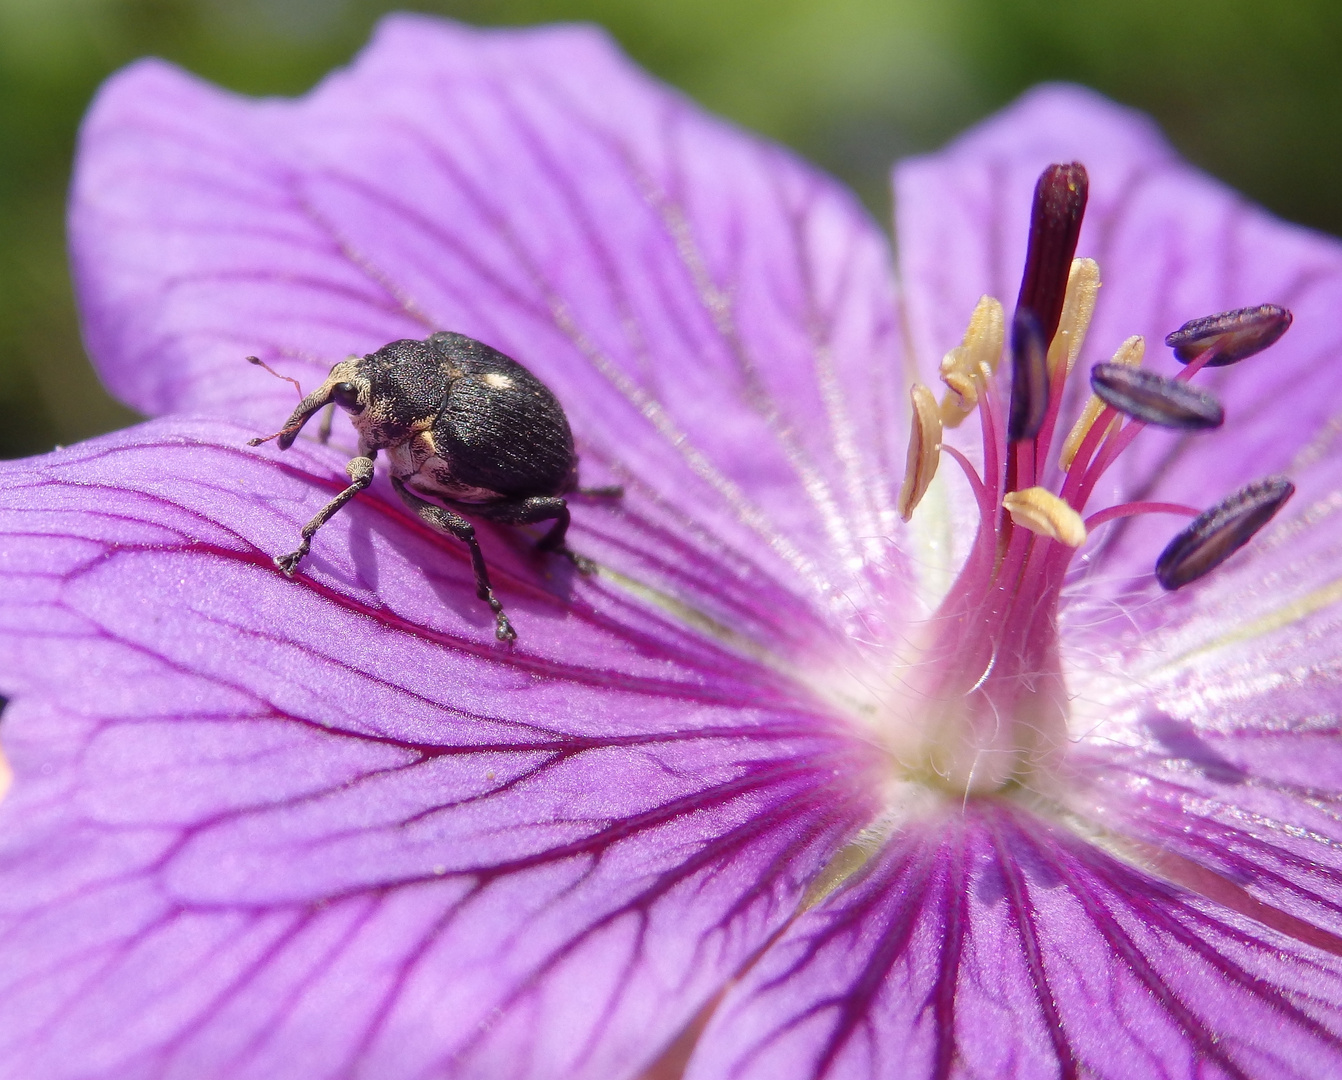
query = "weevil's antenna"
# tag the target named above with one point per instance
(287, 378)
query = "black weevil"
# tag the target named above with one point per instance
(460, 422)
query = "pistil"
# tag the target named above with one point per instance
(987, 693)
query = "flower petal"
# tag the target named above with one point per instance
(989, 945)
(714, 315)
(263, 827)
(1172, 244)
(1212, 737)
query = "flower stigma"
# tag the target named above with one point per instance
(986, 691)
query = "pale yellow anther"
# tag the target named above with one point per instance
(1083, 283)
(1042, 512)
(1129, 353)
(971, 363)
(924, 450)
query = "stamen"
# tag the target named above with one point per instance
(973, 362)
(924, 450)
(1232, 336)
(1083, 286)
(1029, 377)
(1218, 533)
(1151, 397)
(1130, 353)
(1055, 225)
(1042, 512)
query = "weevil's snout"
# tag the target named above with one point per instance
(338, 387)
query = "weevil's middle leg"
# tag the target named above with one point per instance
(443, 519)
(360, 471)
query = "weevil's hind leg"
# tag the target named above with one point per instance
(328, 419)
(541, 508)
(360, 471)
(443, 519)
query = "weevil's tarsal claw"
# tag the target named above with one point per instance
(1152, 398)
(924, 450)
(1218, 533)
(288, 564)
(1232, 335)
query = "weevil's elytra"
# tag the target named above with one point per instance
(461, 423)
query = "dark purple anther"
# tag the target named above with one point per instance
(1055, 225)
(1155, 399)
(1218, 533)
(1233, 334)
(1029, 377)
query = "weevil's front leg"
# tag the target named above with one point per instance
(535, 509)
(360, 470)
(324, 429)
(443, 519)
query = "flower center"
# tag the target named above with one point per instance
(987, 685)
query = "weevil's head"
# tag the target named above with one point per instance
(389, 394)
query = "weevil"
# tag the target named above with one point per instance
(462, 423)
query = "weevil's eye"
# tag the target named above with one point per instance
(346, 395)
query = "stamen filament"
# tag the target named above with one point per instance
(981, 493)
(1131, 509)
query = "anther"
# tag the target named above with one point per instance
(1029, 376)
(1234, 335)
(924, 450)
(1218, 533)
(1130, 354)
(1055, 224)
(973, 362)
(1083, 285)
(1149, 396)
(1042, 512)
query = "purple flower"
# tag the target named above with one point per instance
(729, 805)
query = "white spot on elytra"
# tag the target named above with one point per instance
(498, 382)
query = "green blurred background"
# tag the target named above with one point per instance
(1249, 89)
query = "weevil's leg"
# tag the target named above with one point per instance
(328, 418)
(610, 491)
(360, 470)
(541, 508)
(445, 520)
